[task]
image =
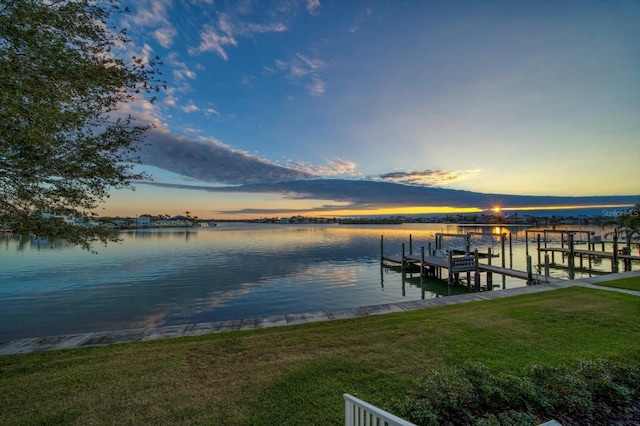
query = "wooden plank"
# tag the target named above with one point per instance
(441, 262)
(604, 254)
(515, 273)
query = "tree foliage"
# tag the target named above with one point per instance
(64, 138)
(626, 225)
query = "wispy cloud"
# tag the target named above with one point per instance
(190, 107)
(333, 167)
(214, 39)
(165, 36)
(312, 6)
(154, 13)
(359, 20)
(305, 71)
(226, 32)
(427, 177)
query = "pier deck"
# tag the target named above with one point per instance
(592, 253)
(517, 273)
(443, 262)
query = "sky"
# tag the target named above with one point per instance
(365, 107)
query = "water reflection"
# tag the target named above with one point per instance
(171, 276)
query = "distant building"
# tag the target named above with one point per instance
(143, 222)
(120, 223)
(68, 219)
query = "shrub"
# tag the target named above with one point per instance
(473, 395)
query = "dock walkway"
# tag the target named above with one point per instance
(592, 253)
(40, 344)
(443, 262)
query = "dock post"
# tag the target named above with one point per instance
(402, 260)
(450, 266)
(489, 274)
(381, 249)
(422, 267)
(614, 259)
(571, 260)
(529, 271)
(510, 252)
(546, 267)
(589, 248)
(539, 262)
(410, 245)
(503, 236)
(627, 262)
(467, 253)
(430, 252)
(476, 276)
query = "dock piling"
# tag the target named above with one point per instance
(546, 267)
(614, 259)
(571, 260)
(510, 252)
(476, 276)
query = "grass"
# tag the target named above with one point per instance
(632, 283)
(297, 374)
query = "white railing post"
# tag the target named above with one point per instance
(360, 413)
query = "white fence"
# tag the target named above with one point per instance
(360, 413)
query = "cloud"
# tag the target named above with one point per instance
(154, 13)
(426, 178)
(312, 6)
(180, 69)
(226, 32)
(305, 71)
(209, 160)
(221, 168)
(334, 167)
(359, 20)
(366, 195)
(165, 36)
(212, 40)
(191, 107)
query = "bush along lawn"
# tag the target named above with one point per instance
(598, 392)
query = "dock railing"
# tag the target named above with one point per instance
(360, 413)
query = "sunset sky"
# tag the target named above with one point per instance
(318, 107)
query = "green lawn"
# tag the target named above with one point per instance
(632, 283)
(296, 375)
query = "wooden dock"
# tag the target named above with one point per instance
(518, 274)
(443, 264)
(602, 254)
(434, 266)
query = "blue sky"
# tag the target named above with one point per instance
(271, 103)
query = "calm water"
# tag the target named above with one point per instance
(232, 271)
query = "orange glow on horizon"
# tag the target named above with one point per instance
(400, 211)
(310, 211)
(564, 207)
